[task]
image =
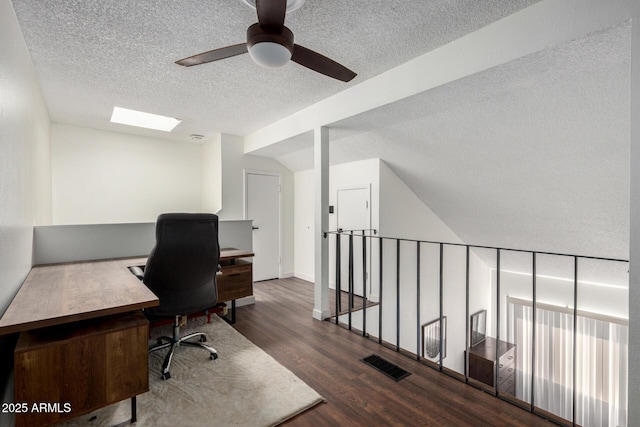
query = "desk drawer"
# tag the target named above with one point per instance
(87, 364)
(236, 281)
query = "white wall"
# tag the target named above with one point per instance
(364, 172)
(415, 219)
(109, 177)
(24, 142)
(24, 173)
(212, 174)
(102, 177)
(303, 225)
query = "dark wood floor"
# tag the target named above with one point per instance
(327, 358)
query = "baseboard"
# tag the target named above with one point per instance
(287, 275)
(321, 315)
(304, 277)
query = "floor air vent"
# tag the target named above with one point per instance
(387, 368)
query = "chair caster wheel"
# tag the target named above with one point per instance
(165, 376)
(203, 338)
(213, 356)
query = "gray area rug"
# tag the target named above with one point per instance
(243, 387)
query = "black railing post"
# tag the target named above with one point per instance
(418, 329)
(338, 284)
(364, 285)
(467, 331)
(350, 300)
(534, 328)
(575, 336)
(397, 294)
(381, 240)
(496, 371)
(441, 284)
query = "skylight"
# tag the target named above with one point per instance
(144, 120)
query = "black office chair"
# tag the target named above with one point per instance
(181, 271)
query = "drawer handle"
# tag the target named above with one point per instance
(510, 370)
(501, 365)
(510, 357)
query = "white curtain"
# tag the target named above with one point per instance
(601, 362)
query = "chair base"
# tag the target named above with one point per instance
(176, 341)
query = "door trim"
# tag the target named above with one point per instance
(368, 283)
(354, 187)
(246, 173)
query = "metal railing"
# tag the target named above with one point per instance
(367, 237)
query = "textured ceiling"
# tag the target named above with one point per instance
(532, 154)
(91, 55)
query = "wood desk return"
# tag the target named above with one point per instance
(83, 342)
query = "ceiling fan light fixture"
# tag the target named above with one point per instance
(270, 54)
(291, 4)
(268, 48)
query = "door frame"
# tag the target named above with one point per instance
(246, 173)
(368, 283)
(353, 187)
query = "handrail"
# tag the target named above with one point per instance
(403, 239)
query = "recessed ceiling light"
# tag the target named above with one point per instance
(144, 120)
(291, 4)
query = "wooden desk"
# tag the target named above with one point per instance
(83, 342)
(63, 293)
(236, 278)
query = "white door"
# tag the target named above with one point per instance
(263, 207)
(354, 214)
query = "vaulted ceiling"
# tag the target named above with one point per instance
(531, 153)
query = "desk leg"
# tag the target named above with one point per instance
(134, 414)
(233, 314)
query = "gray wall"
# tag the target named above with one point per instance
(83, 242)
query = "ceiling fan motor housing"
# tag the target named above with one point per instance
(258, 34)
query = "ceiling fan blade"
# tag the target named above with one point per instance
(321, 64)
(271, 14)
(214, 55)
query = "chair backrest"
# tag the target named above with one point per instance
(181, 268)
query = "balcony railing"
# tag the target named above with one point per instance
(527, 318)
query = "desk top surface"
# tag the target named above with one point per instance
(63, 293)
(233, 253)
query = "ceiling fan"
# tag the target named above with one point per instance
(270, 44)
